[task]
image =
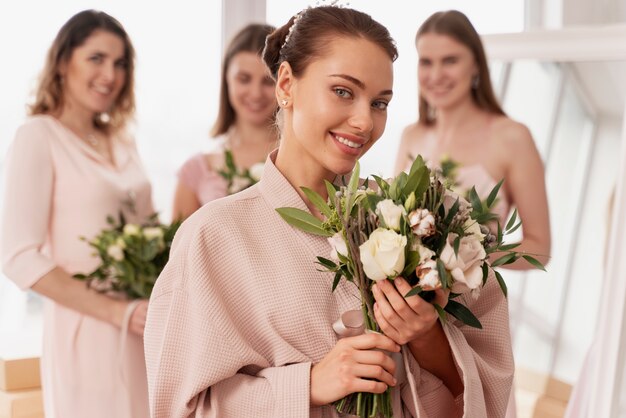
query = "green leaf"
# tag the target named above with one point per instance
(501, 283)
(411, 263)
(417, 164)
(452, 212)
(494, 194)
(414, 179)
(505, 259)
(463, 314)
(331, 190)
(444, 276)
(483, 218)
(415, 291)
(534, 262)
(475, 201)
(457, 244)
(507, 247)
(397, 186)
(511, 221)
(510, 231)
(318, 201)
(485, 268)
(303, 221)
(327, 263)
(382, 184)
(441, 312)
(353, 186)
(372, 200)
(336, 280)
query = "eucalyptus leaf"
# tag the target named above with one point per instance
(501, 283)
(475, 201)
(444, 276)
(303, 221)
(534, 262)
(318, 201)
(411, 263)
(511, 221)
(441, 312)
(415, 291)
(491, 199)
(460, 312)
(504, 260)
(336, 280)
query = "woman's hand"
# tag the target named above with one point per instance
(137, 321)
(405, 319)
(355, 364)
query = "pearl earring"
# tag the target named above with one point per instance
(284, 102)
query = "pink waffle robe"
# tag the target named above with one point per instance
(240, 314)
(57, 189)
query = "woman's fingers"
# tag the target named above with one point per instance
(371, 341)
(377, 358)
(370, 371)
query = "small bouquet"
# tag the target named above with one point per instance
(132, 256)
(239, 179)
(410, 226)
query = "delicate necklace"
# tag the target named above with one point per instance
(92, 139)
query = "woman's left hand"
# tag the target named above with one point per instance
(405, 319)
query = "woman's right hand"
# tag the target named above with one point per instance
(355, 364)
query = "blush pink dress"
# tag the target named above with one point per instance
(58, 189)
(207, 184)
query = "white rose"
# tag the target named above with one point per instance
(115, 252)
(382, 254)
(131, 229)
(338, 246)
(239, 183)
(466, 269)
(256, 171)
(153, 232)
(428, 275)
(422, 222)
(390, 213)
(472, 227)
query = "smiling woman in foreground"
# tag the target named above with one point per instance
(240, 322)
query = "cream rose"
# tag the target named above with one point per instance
(382, 254)
(338, 246)
(256, 171)
(466, 269)
(449, 197)
(153, 232)
(115, 252)
(131, 229)
(390, 213)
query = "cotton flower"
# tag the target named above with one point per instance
(424, 252)
(466, 268)
(390, 213)
(131, 229)
(256, 171)
(115, 252)
(338, 246)
(422, 222)
(382, 254)
(428, 275)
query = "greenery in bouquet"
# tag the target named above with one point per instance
(239, 179)
(131, 256)
(411, 226)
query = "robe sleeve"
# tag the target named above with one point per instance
(27, 203)
(483, 358)
(198, 362)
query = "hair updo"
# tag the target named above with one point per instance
(313, 32)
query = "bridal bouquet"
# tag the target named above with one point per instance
(131, 256)
(239, 179)
(410, 226)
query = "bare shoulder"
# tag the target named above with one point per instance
(513, 138)
(413, 132)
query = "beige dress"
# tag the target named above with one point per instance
(240, 314)
(58, 189)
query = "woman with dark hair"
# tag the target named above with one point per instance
(244, 123)
(460, 119)
(71, 165)
(240, 320)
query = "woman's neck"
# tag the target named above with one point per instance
(79, 122)
(249, 134)
(302, 170)
(450, 121)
